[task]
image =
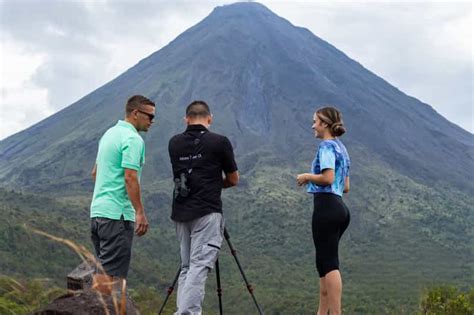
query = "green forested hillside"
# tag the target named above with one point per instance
(403, 237)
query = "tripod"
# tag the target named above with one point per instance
(218, 278)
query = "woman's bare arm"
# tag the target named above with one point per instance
(323, 179)
(347, 185)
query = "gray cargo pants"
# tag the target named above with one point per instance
(200, 241)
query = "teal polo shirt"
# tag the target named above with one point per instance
(120, 147)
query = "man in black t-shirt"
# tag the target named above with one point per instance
(203, 163)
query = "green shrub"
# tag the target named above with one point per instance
(24, 297)
(447, 300)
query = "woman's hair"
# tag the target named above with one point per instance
(333, 118)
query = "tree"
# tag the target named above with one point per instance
(447, 300)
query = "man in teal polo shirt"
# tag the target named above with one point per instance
(116, 208)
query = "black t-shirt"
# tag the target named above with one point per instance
(211, 155)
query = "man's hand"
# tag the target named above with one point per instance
(141, 224)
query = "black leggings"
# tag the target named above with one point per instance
(330, 219)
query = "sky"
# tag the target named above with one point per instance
(52, 53)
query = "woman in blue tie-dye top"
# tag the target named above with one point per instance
(328, 180)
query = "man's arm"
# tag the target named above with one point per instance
(230, 176)
(231, 179)
(94, 172)
(133, 190)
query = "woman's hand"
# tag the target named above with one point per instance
(302, 179)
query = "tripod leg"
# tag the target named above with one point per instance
(249, 286)
(170, 291)
(219, 289)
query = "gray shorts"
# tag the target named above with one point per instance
(112, 241)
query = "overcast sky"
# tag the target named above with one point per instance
(55, 52)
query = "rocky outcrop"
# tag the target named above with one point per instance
(83, 299)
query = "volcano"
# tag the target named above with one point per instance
(412, 183)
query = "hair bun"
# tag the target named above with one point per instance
(338, 129)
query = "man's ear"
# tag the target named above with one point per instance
(186, 120)
(209, 119)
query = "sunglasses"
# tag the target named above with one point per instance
(150, 116)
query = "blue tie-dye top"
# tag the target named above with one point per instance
(331, 154)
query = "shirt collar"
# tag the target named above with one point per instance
(123, 123)
(196, 127)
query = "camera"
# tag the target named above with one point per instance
(180, 188)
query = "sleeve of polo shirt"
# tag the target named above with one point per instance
(327, 157)
(132, 150)
(228, 161)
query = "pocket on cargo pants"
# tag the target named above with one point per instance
(207, 238)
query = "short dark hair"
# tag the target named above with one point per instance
(135, 102)
(198, 109)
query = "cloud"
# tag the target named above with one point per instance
(18, 109)
(55, 52)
